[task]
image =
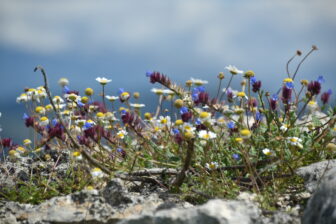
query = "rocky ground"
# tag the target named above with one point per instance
(127, 203)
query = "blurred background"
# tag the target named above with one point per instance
(123, 39)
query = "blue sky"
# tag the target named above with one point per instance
(123, 39)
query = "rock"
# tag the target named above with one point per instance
(214, 211)
(321, 207)
(114, 193)
(313, 173)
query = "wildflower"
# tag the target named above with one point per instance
(164, 121)
(157, 91)
(189, 135)
(233, 70)
(44, 121)
(89, 91)
(320, 79)
(238, 110)
(77, 155)
(27, 142)
(259, 116)
(221, 75)
(249, 74)
(58, 100)
(186, 115)
(22, 98)
(325, 96)
(314, 87)
(85, 99)
(188, 127)
(148, 116)
(178, 122)
(97, 172)
(121, 134)
(123, 95)
(211, 166)
(198, 82)
(204, 116)
(103, 80)
(136, 95)
(286, 94)
(238, 140)
(274, 101)
(267, 152)
(236, 156)
(40, 110)
(111, 98)
(137, 105)
(231, 125)
(13, 153)
(63, 82)
(256, 85)
(158, 77)
(304, 82)
(246, 133)
(21, 150)
(206, 135)
(242, 95)
(295, 141)
(284, 127)
(122, 152)
(312, 105)
(178, 103)
(48, 107)
(287, 80)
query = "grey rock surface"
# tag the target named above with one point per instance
(321, 207)
(313, 173)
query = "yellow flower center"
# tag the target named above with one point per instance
(245, 132)
(43, 119)
(287, 80)
(241, 94)
(178, 122)
(76, 154)
(100, 114)
(204, 115)
(239, 140)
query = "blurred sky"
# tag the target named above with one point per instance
(123, 39)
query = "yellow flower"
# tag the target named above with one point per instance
(178, 103)
(239, 140)
(100, 115)
(40, 110)
(188, 135)
(85, 99)
(245, 133)
(27, 142)
(148, 116)
(178, 122)
(241, 94)
(44, 121)
(89, 91)
(249, 74)
(286, 80)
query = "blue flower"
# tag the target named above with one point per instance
(80, 104)
(259, 116)
(88, 125)
(66, 89)
(290, 85)
(236, 156)
(120, 150)
(253, 80)
(148, 73)
(25, 116)
(198, 121)
(320, 79)
(183, 110)
(176, 131)
(121, 90)
(201, 89)
(275, 97)
(231, 125)
(54, 122)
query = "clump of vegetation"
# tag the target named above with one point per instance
(238, 140)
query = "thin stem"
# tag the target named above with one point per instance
(224, 91)
(304, 58)
(287, 65)
(219, 87)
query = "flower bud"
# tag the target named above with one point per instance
(88, 91)
(178, 103)
(221, 75)
(136, 95)
(189, 83)
(304, 82)
(249, 74)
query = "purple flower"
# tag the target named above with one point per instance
(7, 142)
(274, 101)
(259, 116)
(183, 110)
(286, 94)
(256, 86)
(325, 96)
(158, 77)
(314, 87)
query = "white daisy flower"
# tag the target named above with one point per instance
(267, 152)
(121, 134)
(97, 172)
(206, 135)
(44, 121)
(295, 141)
(112, 98)
(63, 82)
(198, 82)
(137, 105)
(211, 166)
(234, 70)
(103, 80)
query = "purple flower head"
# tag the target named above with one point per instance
(314, 87)
(236, 156)
(256, 86)
(7, 142)
(54, 122)
(203, 98)
(122, 152)
(25, 116)
(231, 125)
(229, 94)
(275, 97)
(158, 77)
(325, 96)
(178, 138)
(29, 121)
(320, 79)
(286, 94)
(252, 102)
(200, 89)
